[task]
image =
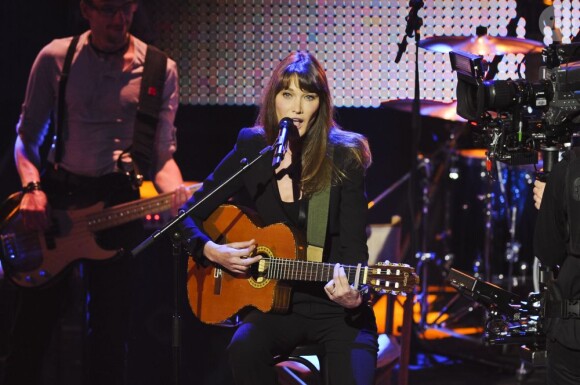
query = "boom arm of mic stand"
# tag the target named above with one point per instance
(177, 243)
(183, 214)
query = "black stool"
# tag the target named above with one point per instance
(297, 355)
(387, 358)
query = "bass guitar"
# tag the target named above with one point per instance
(33, 258)
(215, 295)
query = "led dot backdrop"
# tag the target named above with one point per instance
(226, 49)
(567, 19)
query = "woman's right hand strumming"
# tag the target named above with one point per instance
(234, 257)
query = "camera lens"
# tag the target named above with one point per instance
(500, 93)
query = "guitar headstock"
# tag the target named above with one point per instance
(387, 277)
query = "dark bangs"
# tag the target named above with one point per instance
(308, 80)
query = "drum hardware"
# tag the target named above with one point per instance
(471, 208)
(424, 257)
(429, 261)
(428, 184)
(453, 312)
(514, 184)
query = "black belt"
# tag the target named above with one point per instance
(61, 175)
(567, 308)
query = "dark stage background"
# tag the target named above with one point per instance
(207, 131)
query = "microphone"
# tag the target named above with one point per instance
(280, 145)
(413, 21)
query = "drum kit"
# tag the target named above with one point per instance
(480, 210)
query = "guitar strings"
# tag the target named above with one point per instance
(315, 271)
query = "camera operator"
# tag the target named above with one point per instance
(557, 243)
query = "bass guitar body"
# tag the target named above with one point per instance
(34, 258)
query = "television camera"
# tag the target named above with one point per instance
(516, 119)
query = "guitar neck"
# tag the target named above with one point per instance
(130, 211)
(296, 270)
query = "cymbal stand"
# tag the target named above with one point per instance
(512, 246)
(413, 29)
(488, 238)
(439, 322)
(424, 257)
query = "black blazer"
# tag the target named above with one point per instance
(346, 230)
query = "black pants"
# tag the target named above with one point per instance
(350, 344)
(36, 316)
(563, 364)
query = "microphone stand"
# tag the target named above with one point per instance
(414, 23)
(177, 242)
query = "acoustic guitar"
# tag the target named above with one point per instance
(33, 258)
(216, 295)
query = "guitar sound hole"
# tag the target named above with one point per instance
(259, 270)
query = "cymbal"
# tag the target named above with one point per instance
(481, 45)
(431, 108)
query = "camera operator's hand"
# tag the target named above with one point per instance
(538, 193)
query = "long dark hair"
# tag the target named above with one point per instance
(323, 133)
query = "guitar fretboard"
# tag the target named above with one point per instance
(293, 270)
(381, 277)
(127, 212)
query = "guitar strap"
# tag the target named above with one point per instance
(150, 100)
(61, 92)
(318, 206)
(147, 117)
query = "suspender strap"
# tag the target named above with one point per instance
(317, 222)
(61, 110)
(150, 100)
